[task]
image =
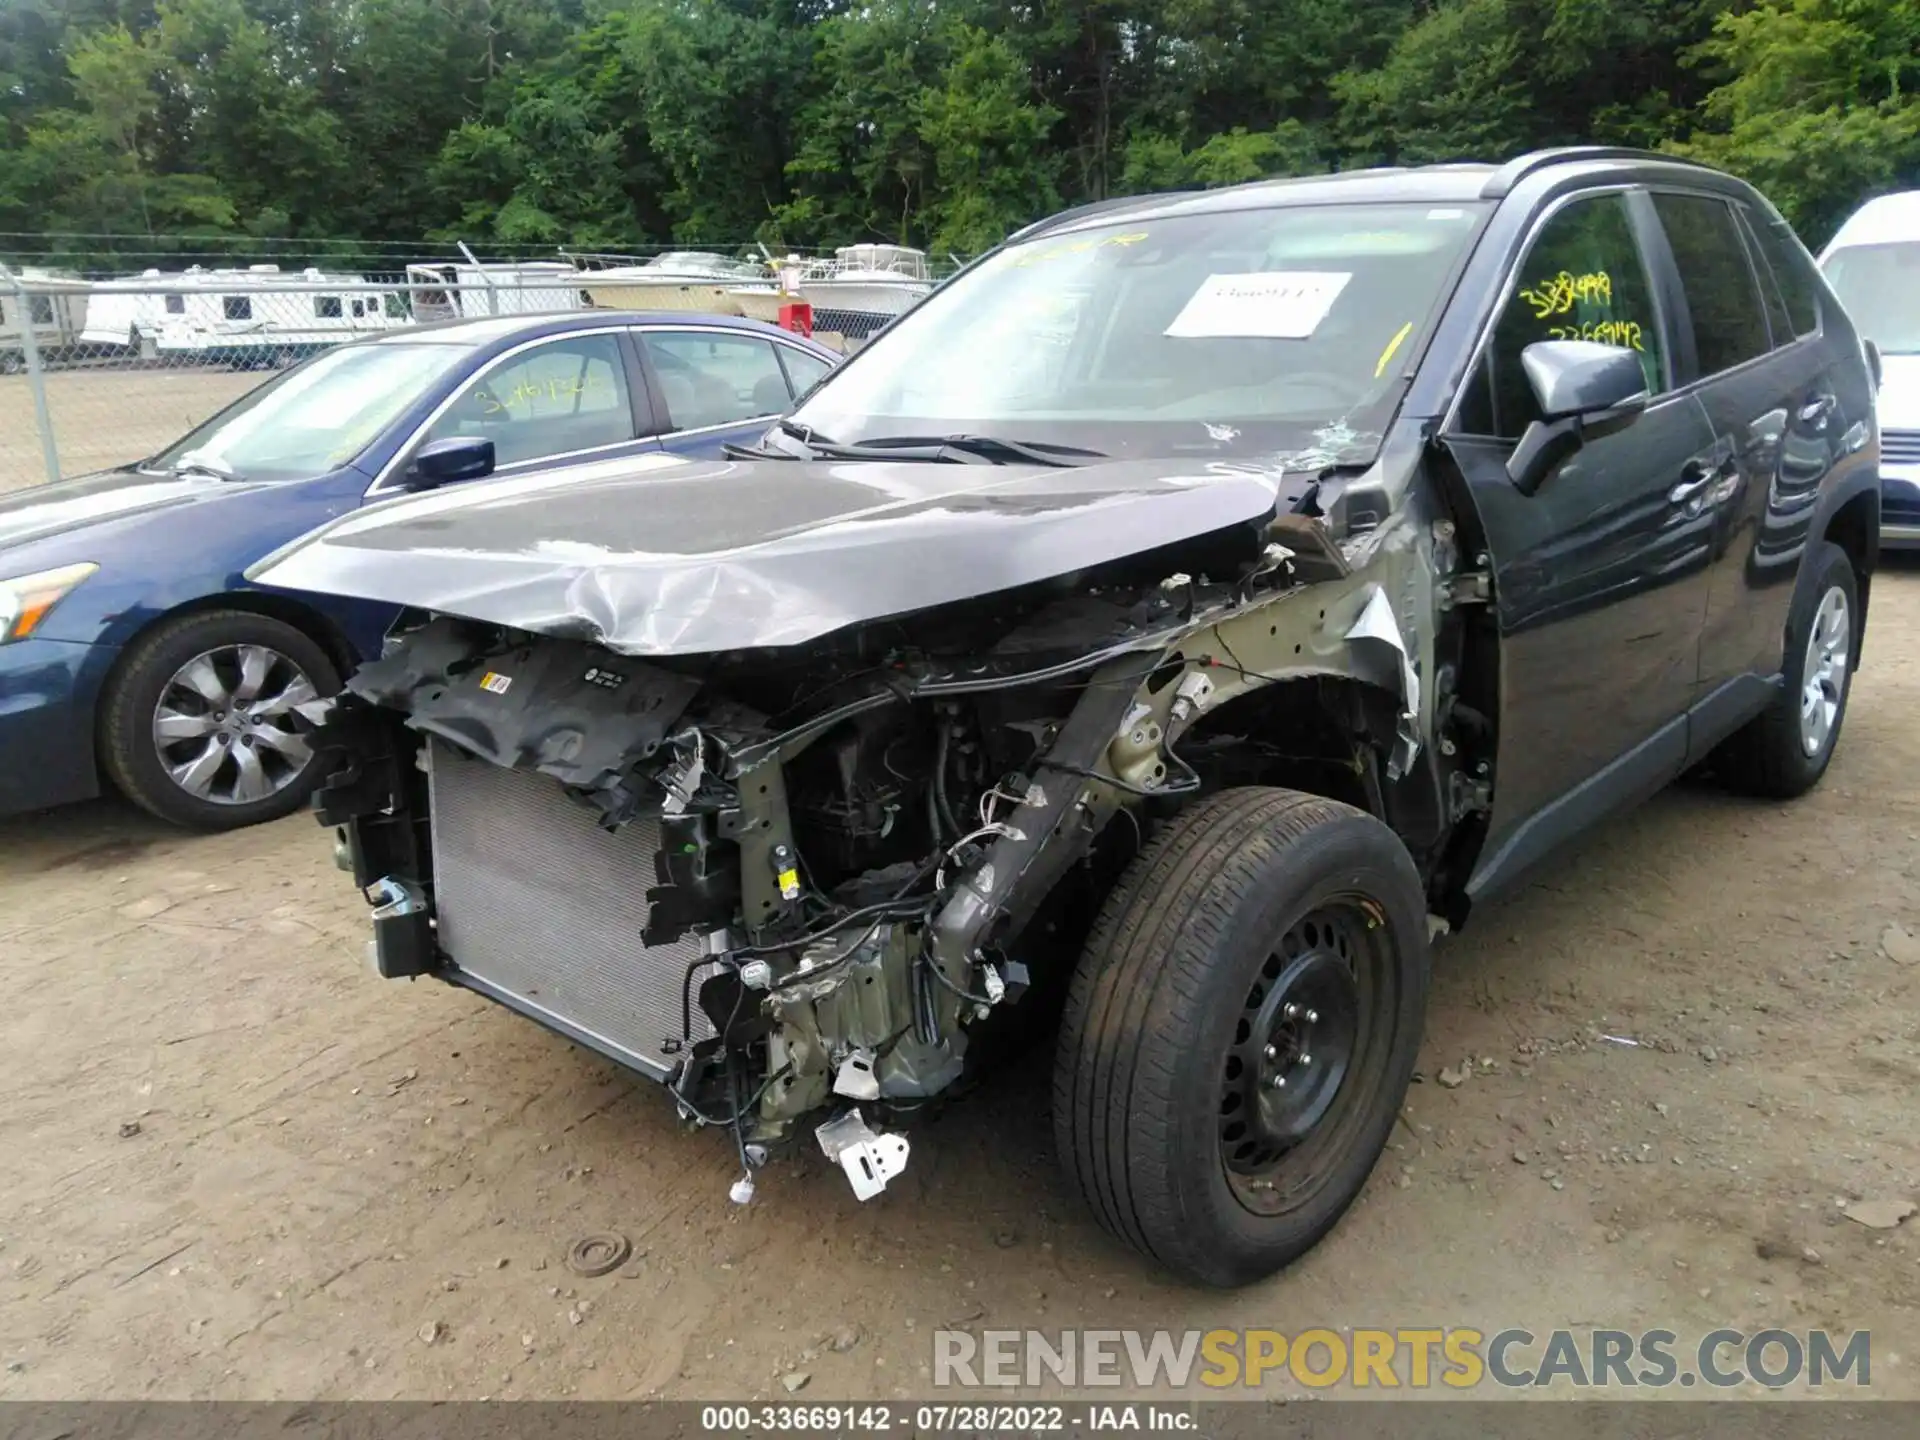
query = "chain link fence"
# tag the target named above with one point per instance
(97, 373)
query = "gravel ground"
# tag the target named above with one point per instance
(237, 1165)
(105, 417)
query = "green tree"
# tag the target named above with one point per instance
(987, 139)
(1160, 162)
(1821, 104)
(861, 167)
(609, 123)
(1452, 88)
(248, 112)
(87, 168)
(719, 85)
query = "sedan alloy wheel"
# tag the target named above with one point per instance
(223, 726)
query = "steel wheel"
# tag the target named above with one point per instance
(1301, 1031)
(223, 726)
(1824, 675)
(1257, 920)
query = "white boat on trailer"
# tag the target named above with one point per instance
(455, 290)
(699, 280)
(864, 286)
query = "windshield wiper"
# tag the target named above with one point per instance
(803, 433)
(988, 449)
(754, 452)
(194, 462)
(993, 449)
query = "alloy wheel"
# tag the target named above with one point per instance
(223, 726)
(1823, 683)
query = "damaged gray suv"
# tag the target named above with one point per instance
(1162, 633)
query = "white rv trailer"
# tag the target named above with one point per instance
(129, 310)
(54, 317)
(456, 291)
(264, 316)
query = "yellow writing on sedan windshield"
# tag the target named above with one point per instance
(1558, 295)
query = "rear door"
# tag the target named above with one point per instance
(1762, 374)
(712, 387)
(1600, 576)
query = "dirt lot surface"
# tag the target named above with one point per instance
(236, 1164)
(103, 417)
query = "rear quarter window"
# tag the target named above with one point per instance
(1793, 270)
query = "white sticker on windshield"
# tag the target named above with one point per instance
(1271, 304)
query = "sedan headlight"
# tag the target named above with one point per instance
(26, 599)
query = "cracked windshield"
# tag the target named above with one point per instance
(1272, 333)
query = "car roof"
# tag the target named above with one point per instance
(1885, 220)
(492, 330)
(1448, 184)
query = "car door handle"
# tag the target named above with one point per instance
(1815, 410)
(1697, 478)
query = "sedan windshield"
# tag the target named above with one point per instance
(1279, 333)
(1880, 287)
(314, 418)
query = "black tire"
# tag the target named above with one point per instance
(1187, 948)
(129, 750)
(1769, 756)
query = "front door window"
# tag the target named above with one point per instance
(1583, 279)
(565, 396)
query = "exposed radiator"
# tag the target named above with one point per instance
(542, 909)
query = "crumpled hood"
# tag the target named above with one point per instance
(42, 510)
(660, 556)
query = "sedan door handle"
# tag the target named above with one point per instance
(1698, 478)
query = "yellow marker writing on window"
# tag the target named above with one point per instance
(1558, 295)
(1386, 355)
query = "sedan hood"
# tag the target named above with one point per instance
(43, 510)
(660, 556)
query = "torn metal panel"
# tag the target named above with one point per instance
(1377, 627)
(693, 558)
(563, 708)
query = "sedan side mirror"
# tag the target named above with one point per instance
(456, 457)
(1584, 390)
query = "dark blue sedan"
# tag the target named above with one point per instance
(131, 645)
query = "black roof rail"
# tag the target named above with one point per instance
(1327, 175)
(1502, 181)
(1095, 207)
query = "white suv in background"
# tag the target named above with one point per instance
(1873, 265)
